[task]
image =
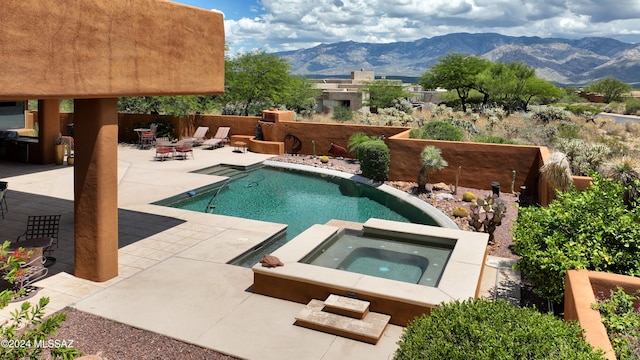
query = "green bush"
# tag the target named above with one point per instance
(437, 130)
(342, 114)
(591, 229)
(25, 333)
(622, 321)
(632, 107)
(568, 130)
(374, 159)
(581, 109)
(481, 329)
(493, 139)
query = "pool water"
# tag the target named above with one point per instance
(417, 263)
(298, 199)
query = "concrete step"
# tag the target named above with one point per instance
(369, 329)
(346, 306)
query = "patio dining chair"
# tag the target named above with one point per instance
(43, 226)
(163, 152)
(184, 150)
(34, 267)
(148, 138)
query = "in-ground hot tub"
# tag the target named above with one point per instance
(299, 281)
(415, 262)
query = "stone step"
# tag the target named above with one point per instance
(369, 329)
(346, 306)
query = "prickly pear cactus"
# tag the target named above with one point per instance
(487, 214)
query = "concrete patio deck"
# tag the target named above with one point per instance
(173, 277)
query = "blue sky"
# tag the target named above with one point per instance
(280, 25)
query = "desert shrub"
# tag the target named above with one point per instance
(632, 128)
(590, 229)
(342, 114)
(437, 130)
(583, 156)
(617, 147)
(441, 110)
(402, 105)
(498, 112)
(24, 334)
(355, 141)
(614, 107)
(482, 329)
(632, 107)
(374, 159)
(581, 109)
(622, 321)
(393, 117)
(465, 125)
(546, 114)
(568, 130)
(493, 139)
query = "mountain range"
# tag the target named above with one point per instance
(565, 62)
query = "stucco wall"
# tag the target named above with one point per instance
(137, 47)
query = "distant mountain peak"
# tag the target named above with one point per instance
(564, 61)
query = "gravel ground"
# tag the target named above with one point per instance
(110, 340)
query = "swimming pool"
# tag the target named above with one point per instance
(299, 196)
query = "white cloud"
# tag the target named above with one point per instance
(295, 24)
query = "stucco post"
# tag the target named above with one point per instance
(96, 189)
(48, 128)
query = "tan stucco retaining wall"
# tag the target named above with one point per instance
(581, 288)
(99, 49)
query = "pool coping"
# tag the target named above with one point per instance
(300, 282)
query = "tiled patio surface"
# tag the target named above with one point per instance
(173, 277)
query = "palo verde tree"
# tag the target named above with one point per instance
(302, 96)
(382, 93)
(256, 80)
(610, 88)
(541, 90)
(455, 72)
(504, 83)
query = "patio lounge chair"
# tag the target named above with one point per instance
(198, 136)
(219, 139)
(42, 226)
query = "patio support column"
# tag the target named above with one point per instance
(48, 128)
(96, 189)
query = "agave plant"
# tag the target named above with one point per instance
(432, 161)
(625, 171)
(557, 172)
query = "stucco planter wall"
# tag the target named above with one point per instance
(581, 289)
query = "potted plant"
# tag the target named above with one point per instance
(59, 149)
